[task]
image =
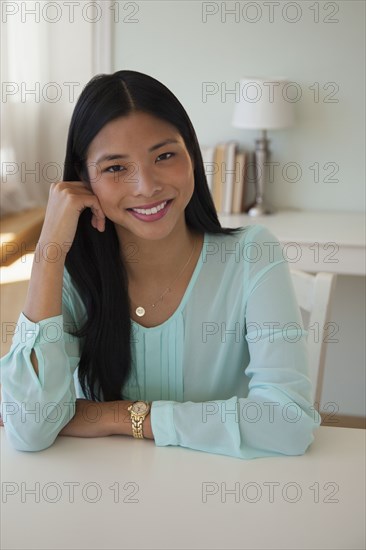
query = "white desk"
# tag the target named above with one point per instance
(169, 484)
(315, 240)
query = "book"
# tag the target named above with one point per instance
(208, 153)
(225, 168)
(217, 184)
(238, 202)
(228, 176)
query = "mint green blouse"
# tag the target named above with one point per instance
(227, 373)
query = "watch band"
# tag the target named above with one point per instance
(137, 426)
(138, 416)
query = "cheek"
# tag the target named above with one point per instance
(186, 176)
(95, 174)
(190, 180)
(187, 187)
(102, 193)
(105, 188)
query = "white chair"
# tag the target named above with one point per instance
(314, 295)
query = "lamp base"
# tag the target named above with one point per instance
(260, 209)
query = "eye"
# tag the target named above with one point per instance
(114, 168)
(163, 155)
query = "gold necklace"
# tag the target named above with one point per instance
(140, 311)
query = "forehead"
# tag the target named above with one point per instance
(136, 130)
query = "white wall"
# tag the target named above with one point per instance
(171, 42)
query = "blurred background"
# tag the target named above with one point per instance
(200, 50)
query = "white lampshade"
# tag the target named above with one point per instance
(265, 104)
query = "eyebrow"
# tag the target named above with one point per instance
(119, 156)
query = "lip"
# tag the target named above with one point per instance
(152, 217)
(147, 206)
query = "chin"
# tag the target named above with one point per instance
(148, 234)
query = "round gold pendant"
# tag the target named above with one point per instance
(140, 311)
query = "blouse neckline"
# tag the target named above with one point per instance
(186, 295)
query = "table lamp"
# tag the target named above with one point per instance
(264, 104)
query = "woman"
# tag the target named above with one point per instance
(144, 316)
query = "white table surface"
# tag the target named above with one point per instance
(321, 240)
(318, 499)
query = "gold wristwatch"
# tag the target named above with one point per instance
(139, 410)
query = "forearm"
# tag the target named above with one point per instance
(44, 296)
(281, 425)
(94, 419)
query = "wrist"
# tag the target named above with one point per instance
(120, 423)
(119, 418)
(51, 251)
(139, 410)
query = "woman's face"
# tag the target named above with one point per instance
(142, 183)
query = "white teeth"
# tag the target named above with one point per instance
(150, 211)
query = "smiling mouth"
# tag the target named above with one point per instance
(153, 210)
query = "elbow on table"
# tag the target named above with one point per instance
(33, 436)
(25, 444)
(298, 446)
(287, 428)
(298, 439)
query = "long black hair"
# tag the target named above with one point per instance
(94, 260)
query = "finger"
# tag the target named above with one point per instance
(99, 218)
(101, 225)
(97, 223)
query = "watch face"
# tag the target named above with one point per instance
(140, 407)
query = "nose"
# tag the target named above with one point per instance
(145, 182)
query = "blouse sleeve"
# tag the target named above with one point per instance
(34, 408)
(276, 417)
